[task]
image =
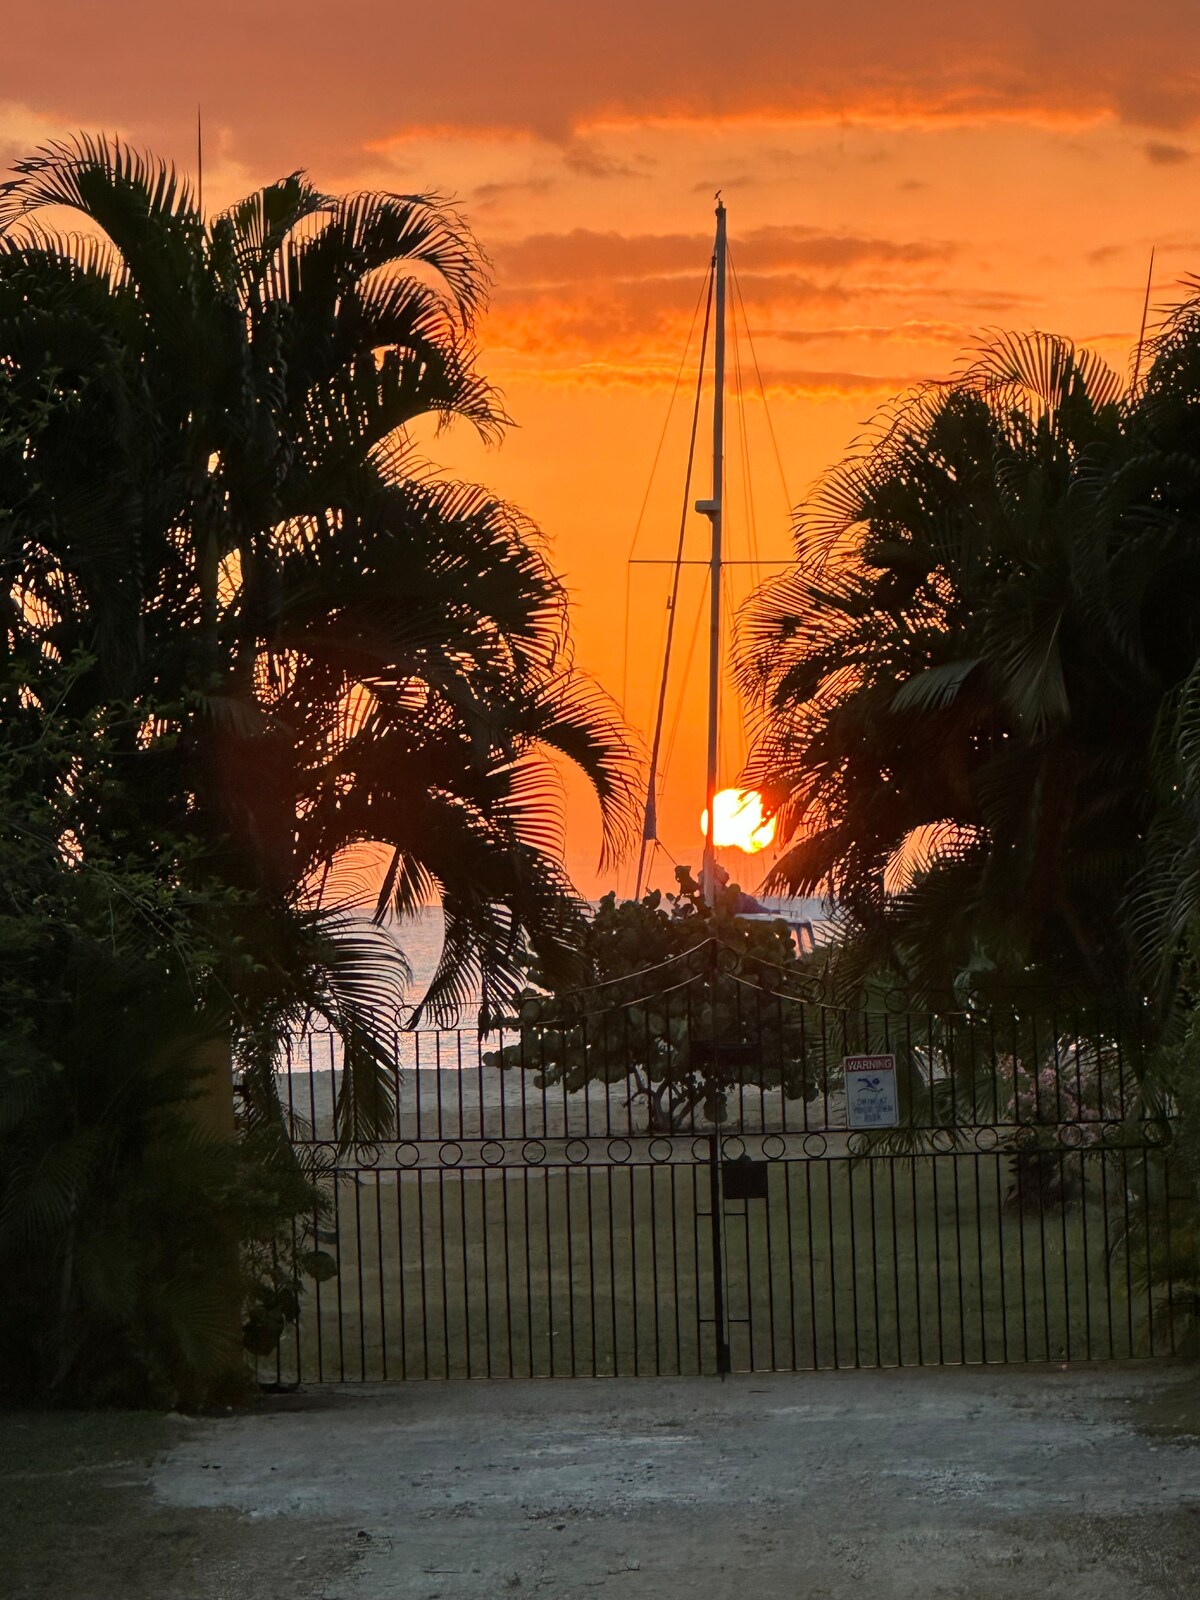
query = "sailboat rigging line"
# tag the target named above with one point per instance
(683, 684)
(748, 510)
(639, 972)
(762, 389)
(706, 283)
(650, 824)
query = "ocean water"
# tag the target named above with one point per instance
(420, 938)
(447, 1089)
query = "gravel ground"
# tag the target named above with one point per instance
(984, 1484)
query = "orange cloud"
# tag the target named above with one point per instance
(585, 254)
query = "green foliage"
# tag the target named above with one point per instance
(245, 632)
(959, 680)
(209, 489)
(129, 1238)
(684, 1002)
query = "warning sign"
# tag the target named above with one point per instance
(871, 1099)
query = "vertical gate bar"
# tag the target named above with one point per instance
(714, 1187)
(612, 1266)
(651, 1179)
(442, 1252)
(1085, 1253)
(694, 1174)
(1147, 1236)
(791, 1257)
(400, 1274)
(770, 1269)
(591, 1236)
(980, 1279)
(1127, 1238)
(675, 1264)
(566, 1178)
(1103, 1159)
(544, 1179)
(995, 1160)
(504, 1217)
(528, 1245)
(487, 1276)
(633, 1278)
(891, 1170)
(317, 1318)
(1167, 1249)
(812, 1270)
(466, 1291)
(916, 1225)
(937, 1260)
(954, 1159)
(850, 1164)
(874, 1260)
(382, 1283)
(837, 1354)
(337, 1228)
(424, 1249)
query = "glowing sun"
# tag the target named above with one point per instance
(738, 821)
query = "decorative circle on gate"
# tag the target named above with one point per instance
(450, 1154)
(576, 1152)
(858, 1144)
(1071, 1135)
(733, 1148)
(533, 1152)
(1155, 1131)
(699, 1149)
(773, 1147)
(660, 1149)
(815, 1144)
(367, 1155)
(407, 1155)
(619, 1150)
(986, 1138)
(492, 1152)
(942, 1140)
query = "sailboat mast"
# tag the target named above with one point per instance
(712, 509)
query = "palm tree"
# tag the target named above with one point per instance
(217, 512)
(959, 678)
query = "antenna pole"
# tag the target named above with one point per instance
(199, 162)
(712, 509)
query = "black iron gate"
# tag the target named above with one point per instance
(520, 1224)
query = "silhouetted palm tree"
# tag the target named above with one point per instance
(215, 502)
(959, 679)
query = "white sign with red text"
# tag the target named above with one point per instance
(871, 1099)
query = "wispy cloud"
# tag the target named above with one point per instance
(587, 255)
(1166, 155)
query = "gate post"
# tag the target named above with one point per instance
(716, 1212)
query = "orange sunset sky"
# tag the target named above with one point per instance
(899, 178)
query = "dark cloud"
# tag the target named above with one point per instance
(910, 332)
(587, 162)
(490, 194)
(296, 85)
(1166, 155)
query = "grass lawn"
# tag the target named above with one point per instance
(550, 1271)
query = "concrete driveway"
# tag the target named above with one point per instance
(943, 1483)
(977, 1484)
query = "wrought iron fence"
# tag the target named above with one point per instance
(673, 1187)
